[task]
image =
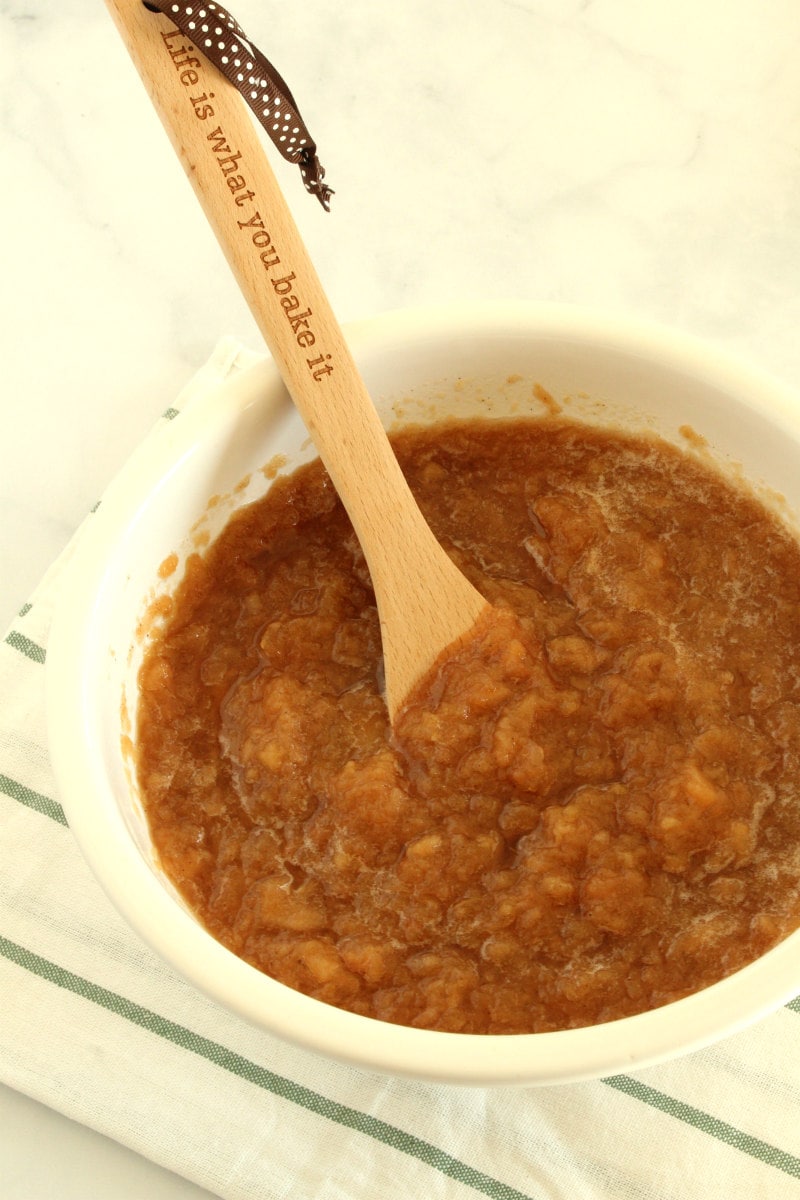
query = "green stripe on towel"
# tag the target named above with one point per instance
(721, 1130)
(35, 800)
(25, 646)
(279, 1085)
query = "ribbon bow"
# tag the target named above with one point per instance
(216, 34)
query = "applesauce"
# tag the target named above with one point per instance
(590, 811)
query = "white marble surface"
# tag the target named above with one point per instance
(640, 155)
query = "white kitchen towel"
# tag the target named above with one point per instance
(97, 1027)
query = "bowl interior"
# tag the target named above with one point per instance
(178, 491)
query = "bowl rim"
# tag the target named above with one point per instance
(95, 820)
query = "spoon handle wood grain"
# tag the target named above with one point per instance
(425, 604)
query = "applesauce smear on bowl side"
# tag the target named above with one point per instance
(588, 812)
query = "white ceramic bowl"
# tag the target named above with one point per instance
(417, 366)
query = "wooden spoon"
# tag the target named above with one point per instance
(425, 604)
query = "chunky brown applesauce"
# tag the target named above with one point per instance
(591, 811)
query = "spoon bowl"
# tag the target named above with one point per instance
(424, 603)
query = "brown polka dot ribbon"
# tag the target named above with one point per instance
(215, 33)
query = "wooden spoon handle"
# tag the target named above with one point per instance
(425, 604)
